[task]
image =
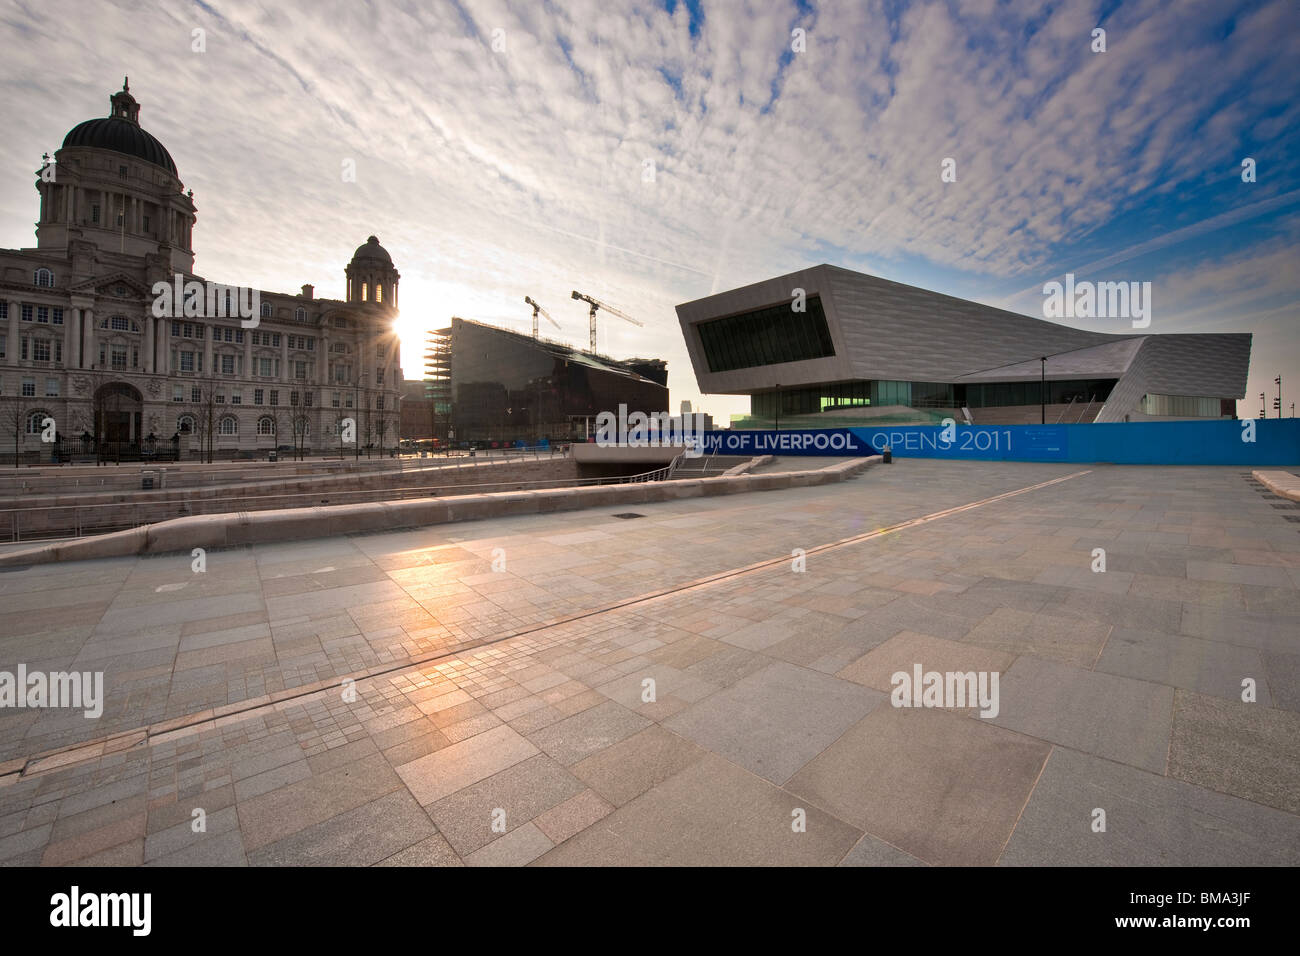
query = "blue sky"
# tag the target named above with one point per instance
(490, 174)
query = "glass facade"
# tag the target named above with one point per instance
(997, 394)
(811, 399)
(767, 336)
(1182, 406)
(507, 386)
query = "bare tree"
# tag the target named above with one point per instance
(207, 414)
(11, 421)
(301, 425)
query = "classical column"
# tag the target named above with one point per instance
(88, 358)
(13, 345)
(71, 337)
(284, 359)
(149, 323)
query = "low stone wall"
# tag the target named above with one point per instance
(233, 530)
(69, 513)
(1281, 483)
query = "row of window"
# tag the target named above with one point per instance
(222, 333)
(27, 388)
(40, 314)
(188, 361)
(229, 425)
(307, 399)
(33, 349)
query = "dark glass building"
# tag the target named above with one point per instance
(504, 386)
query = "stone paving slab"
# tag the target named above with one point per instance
(772, 738)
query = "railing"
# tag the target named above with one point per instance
(84, 520)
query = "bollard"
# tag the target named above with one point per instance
(887, 454)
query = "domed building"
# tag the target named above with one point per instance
(89, 340)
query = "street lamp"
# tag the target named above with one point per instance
(1042, 389)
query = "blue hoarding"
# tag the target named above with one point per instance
(1216, 442)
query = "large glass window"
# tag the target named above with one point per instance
(767, 336)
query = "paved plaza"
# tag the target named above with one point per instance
(670, 688)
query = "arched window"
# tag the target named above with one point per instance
(300, 314)
(266, 425)
(301, 426)
(44, 278)
(36, 421)
(228, 426)
(266, 310)
(185, 424)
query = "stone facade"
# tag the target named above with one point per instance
(80, 342)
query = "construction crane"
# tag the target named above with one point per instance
(537, 308)
(597, 304)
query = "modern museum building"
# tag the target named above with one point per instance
(826, 339)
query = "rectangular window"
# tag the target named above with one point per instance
(767, 336)
(176, 330)
(300, 370)
(293, 398)
(41, 350)
(187, 361)
(178, 393)
(227, 365)
(26, 311)
(2, 345)
(219, 399)
(347, 400)
(24, 350)
(146, 223)
(264, 367)
(275, 339)
(94, 212)
(311, 344)
(29, 388)
(57, 316)
(4, 310)
(239, 336)
(257, 396)
(119, 323)
(237, 398)
(308, 399)
(196, 395)
(379, 403)
(229, 335)
(51, 388)
(275, 396)
(334, 399)
(379, 376)
(216, 333)
(119, 357)
(43, 314)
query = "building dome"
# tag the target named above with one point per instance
(121, 132)
(374, 251)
